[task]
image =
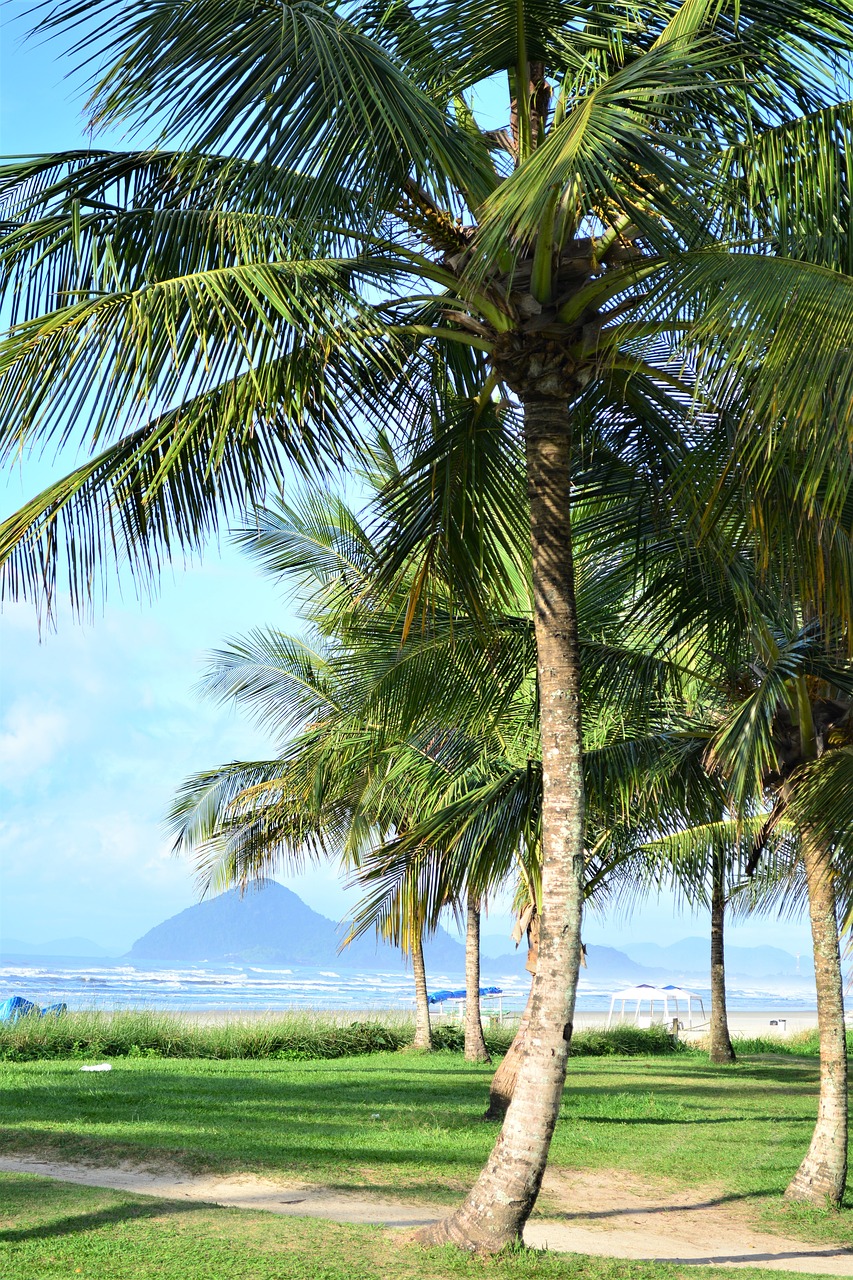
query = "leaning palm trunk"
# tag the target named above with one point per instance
(475, 1043)
(498, 1205)
(720, 1048)
(423, 1027)
(503, 1081)
(823, 1174)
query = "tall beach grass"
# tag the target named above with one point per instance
(136, 1033)
(294, 1036)
(804, 1044)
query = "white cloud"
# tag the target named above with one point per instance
(101, 725)
(30, 738)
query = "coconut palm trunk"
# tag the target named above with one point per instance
(475, 1043)
(503, 1081)
(822, 1176)
(502, 1086)
(423, 1027)
(720, 1048)
(498, 1205)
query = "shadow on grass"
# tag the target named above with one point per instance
(334, 1116)
(712, 1090)
(293, 1156)
(725, 1076)
(75, 1223)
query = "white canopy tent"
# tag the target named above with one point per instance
(656, 1004)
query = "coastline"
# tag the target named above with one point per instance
(226, 992)
(742, 1022)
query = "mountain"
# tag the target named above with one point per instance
(272, 925)
(692, 955)
(608, 964)
(58, 947)
(495, 944)
(603, 964)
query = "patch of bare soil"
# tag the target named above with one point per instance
(615, 1215)
(600, 1212)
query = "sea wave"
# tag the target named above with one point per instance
(254, 988)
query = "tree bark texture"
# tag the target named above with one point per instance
(498, 1205)
(475, 1043)
(503, 1081)
(720, 1048)
(423, 1027)
(822, 1176)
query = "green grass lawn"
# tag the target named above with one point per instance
(408, 1120)
(53, 1231)
(410, 1124)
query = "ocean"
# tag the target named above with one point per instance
(251, 989)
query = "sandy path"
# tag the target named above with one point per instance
(610, 1215)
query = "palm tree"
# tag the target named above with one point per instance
(705, 864)
(321, 798)
(801, 709)
(443, 776)
(332, 785)
(775, 729)
(476, 1049)
(333, 556)
(338, 225)
(720, 1042)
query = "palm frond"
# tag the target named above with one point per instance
(297, 85)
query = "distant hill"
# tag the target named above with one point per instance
(271, 926)
(692, 955)
(495, 944)
(606, 963)
(58, 947)
(602, 963)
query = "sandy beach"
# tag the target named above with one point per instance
(742, 1022)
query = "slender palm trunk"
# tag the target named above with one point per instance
(720, 1049)
(498, 1205)
(823, 1174)
(475, 1044)
(423, 1028)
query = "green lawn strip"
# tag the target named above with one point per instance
(56, 1229)
(410, 1125)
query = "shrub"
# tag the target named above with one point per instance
(625, 1041)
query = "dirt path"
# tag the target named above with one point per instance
(606, 1213)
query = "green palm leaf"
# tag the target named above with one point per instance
(294, 84)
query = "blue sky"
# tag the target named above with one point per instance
(100, 722)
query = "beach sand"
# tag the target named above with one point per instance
(742, 1022)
